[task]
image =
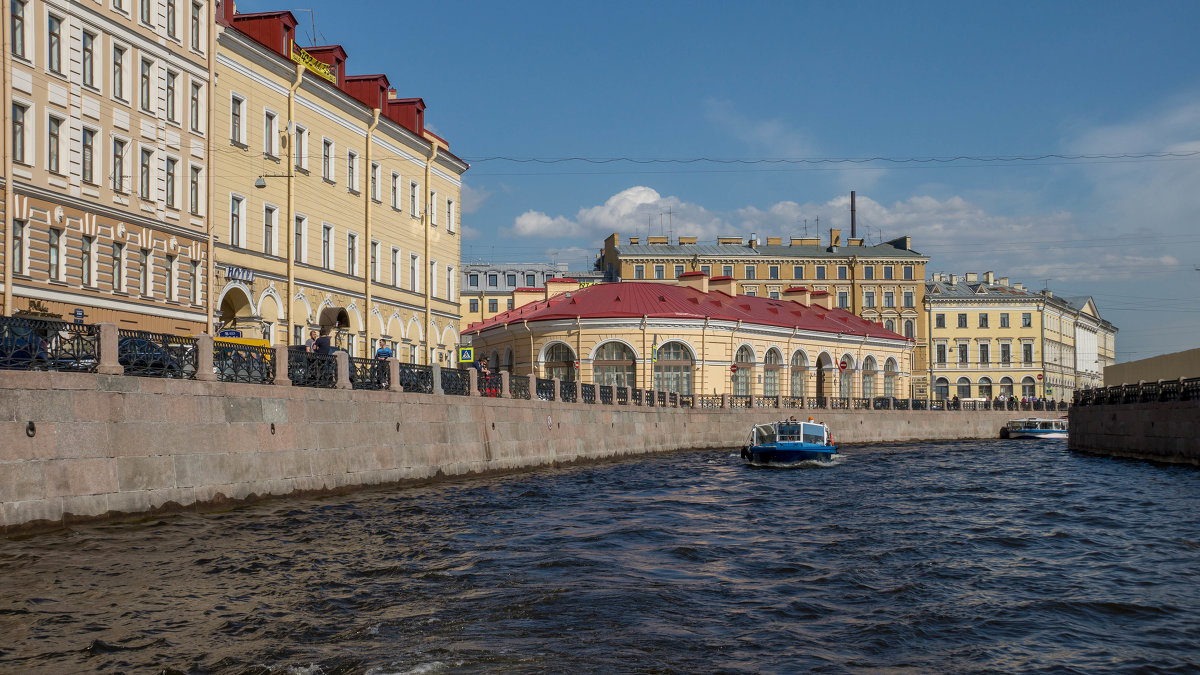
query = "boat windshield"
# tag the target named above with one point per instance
(814, 433)
(764, 434)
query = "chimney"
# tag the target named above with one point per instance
(972, 278)
(697, 280)
(835, 239)
(560, 285)
(798, 294)
(822, 299)
(1019, 287)
(729, 241)
(853, 230)
(1003, 281)
(723, 285)
(687, 240)
(524, 296)
(633, 241)
(774, 241)
(953, 279)
(988, 278)
(658, 240)
(753, 240)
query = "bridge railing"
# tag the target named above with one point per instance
(1161, 391)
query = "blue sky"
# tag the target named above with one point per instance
(837, 80)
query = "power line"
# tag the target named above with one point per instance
(834, 160)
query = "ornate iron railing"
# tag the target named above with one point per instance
(606, 393)
(821, 402)
(687, 401)
(1161, 391)
(860, 403)
(661, 397)
(673, 399)
(490, 384)
(792, 401)
(636, 395)
(146, 354)
(456, 381)
(882, 403)
(766, 401)
(570, 392)
(545, 389)
(416, 378)
(587, 393)
(622, 394)
(739, 401)
(518, 386)
(234, 362)
(911, 404)
(312, 370)
(371, 374)
(39, 344)
(708, 402)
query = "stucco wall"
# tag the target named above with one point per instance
(80, 446)
(1162, 432)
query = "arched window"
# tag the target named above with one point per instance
(614, 364)
(964, 387)
(908, 328)
(1006, 387)
(771, 365)
(560, 362)
(889, 377)
(985, 387)
(673, 368)
(868, 377)
(890, 325)
(494, 361)
(508, 359)
(941, 389)
(1028, 388)
(844, 381)
(799, 373)
(745, 371)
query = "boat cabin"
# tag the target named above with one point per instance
(790, 432)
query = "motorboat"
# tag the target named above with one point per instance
(1036, 427)
(789, 442)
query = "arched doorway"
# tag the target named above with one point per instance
(335, 322)
(799, 373)
(1006, 387)
(559, 362)
(771, 365)
(673, 369)
(745, 371)
(985, 387)
(614, 364)
(1028, 388)
(964, 387)
(237, 312)
(824, 368)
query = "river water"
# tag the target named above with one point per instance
(967, 557)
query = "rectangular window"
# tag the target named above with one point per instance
(1026, 320)
(412, 199)
(269, 230)
(89, 59)
(509, 303)
(171, 171)
(145, 93)
(473, 280)
(144, 174)
(751, 271)
(962, 320)
(396, 267)
(530, 280)
(639, 272)
(374, 261)
(432, 208)
(352, 254)
(908, 272)
(868, 299)
(327, 159)
(18, 131)
(450, 282)
(493, 281)
(492, 305)
(962, 353)
(1005, 354)
(474, 305)
(841, 271)
(375, 181)
(678, 271)
(985, 355)
(52, 144)
(352, 171)
(118, 166)
(395, 191)
(144, 282)
(660, 272)
(1004, 319)
(843, 299)
(144, 13)
(939, 321)
(171, 27)
(868, 272)
(235, 221)
(773, 271)
(820, 271)
(195, 280)
(54, 43)
(889, 299)
(270, 134)
(909, 299)
(118, 85)
(511, 280)
(18, 251)
(55, 252)
(118, 263)
(887, 272)
(194, 108)
(18, 28)
(1027, 353)
(171, 79)
(301, 147)
(941, 355)
(414, 262)
(194, 191)
(89, 153)
(798, 271)
(983, 320)
(170, 277)
(298, 239)
(326, 242)
(237, 106)
(727, 270)
(196, 11)
(451, 216)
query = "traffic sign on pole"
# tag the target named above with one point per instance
(843, 365)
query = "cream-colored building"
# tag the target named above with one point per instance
(693, 335)
(107, 162)
(883, 283)
(990, 338)
(334, 207)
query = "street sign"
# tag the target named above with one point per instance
(1039, 376)
(230, 333)
(843, 365)
(577, 365)
(733, 369)
(466, 354)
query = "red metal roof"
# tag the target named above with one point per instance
(664, 301)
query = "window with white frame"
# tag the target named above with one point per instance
(450, 216)
(55, 252)
(87, 260)
(144, 11)
(18, 132)
(412, 198)
(327, 159)
(146, 88)
(53, 147)
(432, 208)
(118, 72)
(197, 27)
(195, 104)
(414, 278)
(375, 181)
(433, 277)
(395, 190)
(118, 165)
(299, 242)
(172, 179)
(396, 267)
(374, 260)
(270, 133)
(301, 147)
(17, 19)
(145, 287)
(450, 283)
(195, 282)
(237, 213)
(18, 246)
(118, 267)
(172, 19)
(237, 115)
(54, 37)
(194, 190)
(147, 159)
(172, 96)
(352, 254)
(88, 64)
(270, 215)
(171, 280)
(327, 246)
(352, 171)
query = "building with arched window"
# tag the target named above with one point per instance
(696, 336)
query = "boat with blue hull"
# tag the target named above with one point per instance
(789, 442)
(1035, 427)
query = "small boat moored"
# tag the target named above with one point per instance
(789, 442)
(1036, 427)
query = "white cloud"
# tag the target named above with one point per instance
(473, 198)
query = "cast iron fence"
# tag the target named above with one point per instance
(370, 374)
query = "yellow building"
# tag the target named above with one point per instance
(989, 339)
(334, 207)
(883, 283)
(694, 335)
(107, 161)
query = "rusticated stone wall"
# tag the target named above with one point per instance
(77, 446)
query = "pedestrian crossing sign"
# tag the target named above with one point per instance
(466, 354)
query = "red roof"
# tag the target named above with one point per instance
(665, 301)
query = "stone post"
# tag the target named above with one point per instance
(724, 401)
(394, 375)
(281, 366)
(648, 396)
(204, 358)
(557, 390)
(343, 370)
(472, 381)
(504, 392)
(750, 402)
(437, 380)
(107, 354)
(778, 401)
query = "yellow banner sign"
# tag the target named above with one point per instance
(314, 66)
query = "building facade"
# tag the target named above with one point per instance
(107, 161)
(488, 288)
(990, 338)
(882, 283)
(334, 207)
(693, 335)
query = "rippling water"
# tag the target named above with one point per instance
(997, 556)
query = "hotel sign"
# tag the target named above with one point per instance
(323, 70)
(239, 274)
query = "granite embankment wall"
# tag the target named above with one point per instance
(1167, 431)
(77, 446)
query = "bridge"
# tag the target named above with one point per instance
(1157, 421)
